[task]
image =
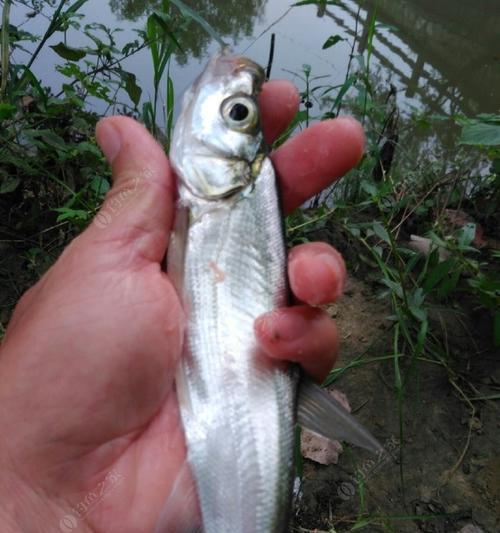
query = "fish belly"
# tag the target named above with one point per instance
(237, 406)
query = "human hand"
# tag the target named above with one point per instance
(88, 360)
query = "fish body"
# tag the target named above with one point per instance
(228, 262)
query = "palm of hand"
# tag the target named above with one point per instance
(120, 416)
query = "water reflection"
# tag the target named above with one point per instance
(230, 18)
(444, 54)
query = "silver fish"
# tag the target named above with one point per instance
(227, 259)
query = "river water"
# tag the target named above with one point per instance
(442, 56)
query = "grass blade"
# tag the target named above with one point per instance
(5, 48)
(187, 11)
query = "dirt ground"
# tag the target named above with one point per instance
(451, 480)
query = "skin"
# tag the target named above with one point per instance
(88, 360)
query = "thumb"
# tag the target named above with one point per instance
(137, 214)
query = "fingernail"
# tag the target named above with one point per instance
(338, 273)
(109, 139)
(279, 325)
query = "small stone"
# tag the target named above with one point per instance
(319, 449)
(475, 424)
(471, 528)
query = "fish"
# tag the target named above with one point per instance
(227, 261)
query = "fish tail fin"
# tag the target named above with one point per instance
(318, 412)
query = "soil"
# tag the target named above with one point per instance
(447, 475)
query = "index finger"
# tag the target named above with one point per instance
(315, 158)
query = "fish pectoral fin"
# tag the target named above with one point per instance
(319, 412)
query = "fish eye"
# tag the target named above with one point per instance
(240, 113)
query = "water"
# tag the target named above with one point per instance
(442, 56)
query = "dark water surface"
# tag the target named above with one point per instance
(443, 56)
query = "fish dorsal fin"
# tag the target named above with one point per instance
(317, 411)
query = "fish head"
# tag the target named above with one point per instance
(218, 137)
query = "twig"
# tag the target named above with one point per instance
(450, 472)
(53, 26)
(271, 56)
(265, 30)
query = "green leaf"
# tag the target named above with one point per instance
(345, 87)
(332, 40)
(437, 240)
(438, 273)
(9, 184)
(422, 335)
(381, 232)
(99, 186)
(85, 147)
(7, 111)
(67, 52)
(480, 134)
(133, 90)
(52, 139)
(163, 21)
(36, 86)
(466, 234)
(495, 166)
(76, 215)
(148, 115)
(76, 6)
(450, 283)
(489, 117)
(395, 287)
(361, 523)
(415, 302)
(370, 188)
(170, 106)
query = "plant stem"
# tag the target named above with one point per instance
(5, 48)
(54, 24)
